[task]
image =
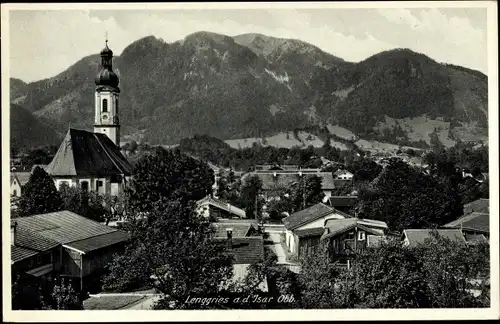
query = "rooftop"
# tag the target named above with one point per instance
(22, 177)
(481, 205)
(223, 205)
(307, 215)
(273, 179)
(475, 221)
(84, 153)
(72, 230)
(419, 236)
(245, 250)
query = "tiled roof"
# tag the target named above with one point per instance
(224, 206)
(340, 172)
(475, 238)
(22, 177)
(84, 153)
(18, 253)
(342, 201)
(66, 227)
(335, 227)
(31, 240)
(481, 206)
(99, 242)
(418, 236)
(307, 215)
(285, 179)
(245, 250)
(474, 221)
(317, 231)
(239, 230)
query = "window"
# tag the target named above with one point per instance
(116, 106)
(63, 183)
(99, 183)
(361, 236)
(104, 105)
(85, 186)
(15, 192)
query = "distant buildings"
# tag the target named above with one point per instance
(17, 181)
(475, 223)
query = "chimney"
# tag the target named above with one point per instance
(13, 227)
(229, 232)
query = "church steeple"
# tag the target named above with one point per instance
(106, 76)
(106, 98)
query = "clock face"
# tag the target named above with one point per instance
(104, 116)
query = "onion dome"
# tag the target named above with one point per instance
(106, 76)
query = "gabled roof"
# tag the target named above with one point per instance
(475, 221)
(70, 229)
(84, 153)
(342, 171)
(419, 236)
(342, 201)
(28, 243)
(307, 215)
(480, 205)
(316, 231)
(239, 230)
(335, 227)
(222, 205)
(245, 250)
(22, 177)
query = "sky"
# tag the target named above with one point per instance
(45, 43)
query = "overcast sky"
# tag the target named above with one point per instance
(44, 43)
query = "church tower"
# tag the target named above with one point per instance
(106, 98)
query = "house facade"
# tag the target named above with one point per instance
(17, 181)
(307, 225)
(344, 238)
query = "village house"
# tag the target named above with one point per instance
(93, 160)
(343, 174)
(17, 181)
(345, 238)
(244, 251)
(307, 223)
(214, 209)
(87, 246)
(475, 223)
(414, 237)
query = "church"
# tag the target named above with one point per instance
(93, 160)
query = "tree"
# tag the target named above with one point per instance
(170, 175)
(406, 198)
(435, 274)
(39, 195)
(89, 204)
(250, 195)
(173, 247)
(307, 192)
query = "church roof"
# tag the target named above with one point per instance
(84, 153)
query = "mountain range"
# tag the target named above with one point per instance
(253, 85)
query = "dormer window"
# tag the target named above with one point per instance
(105, 105)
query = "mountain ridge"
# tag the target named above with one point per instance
(251, 84)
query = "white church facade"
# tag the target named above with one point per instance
(93, 160)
